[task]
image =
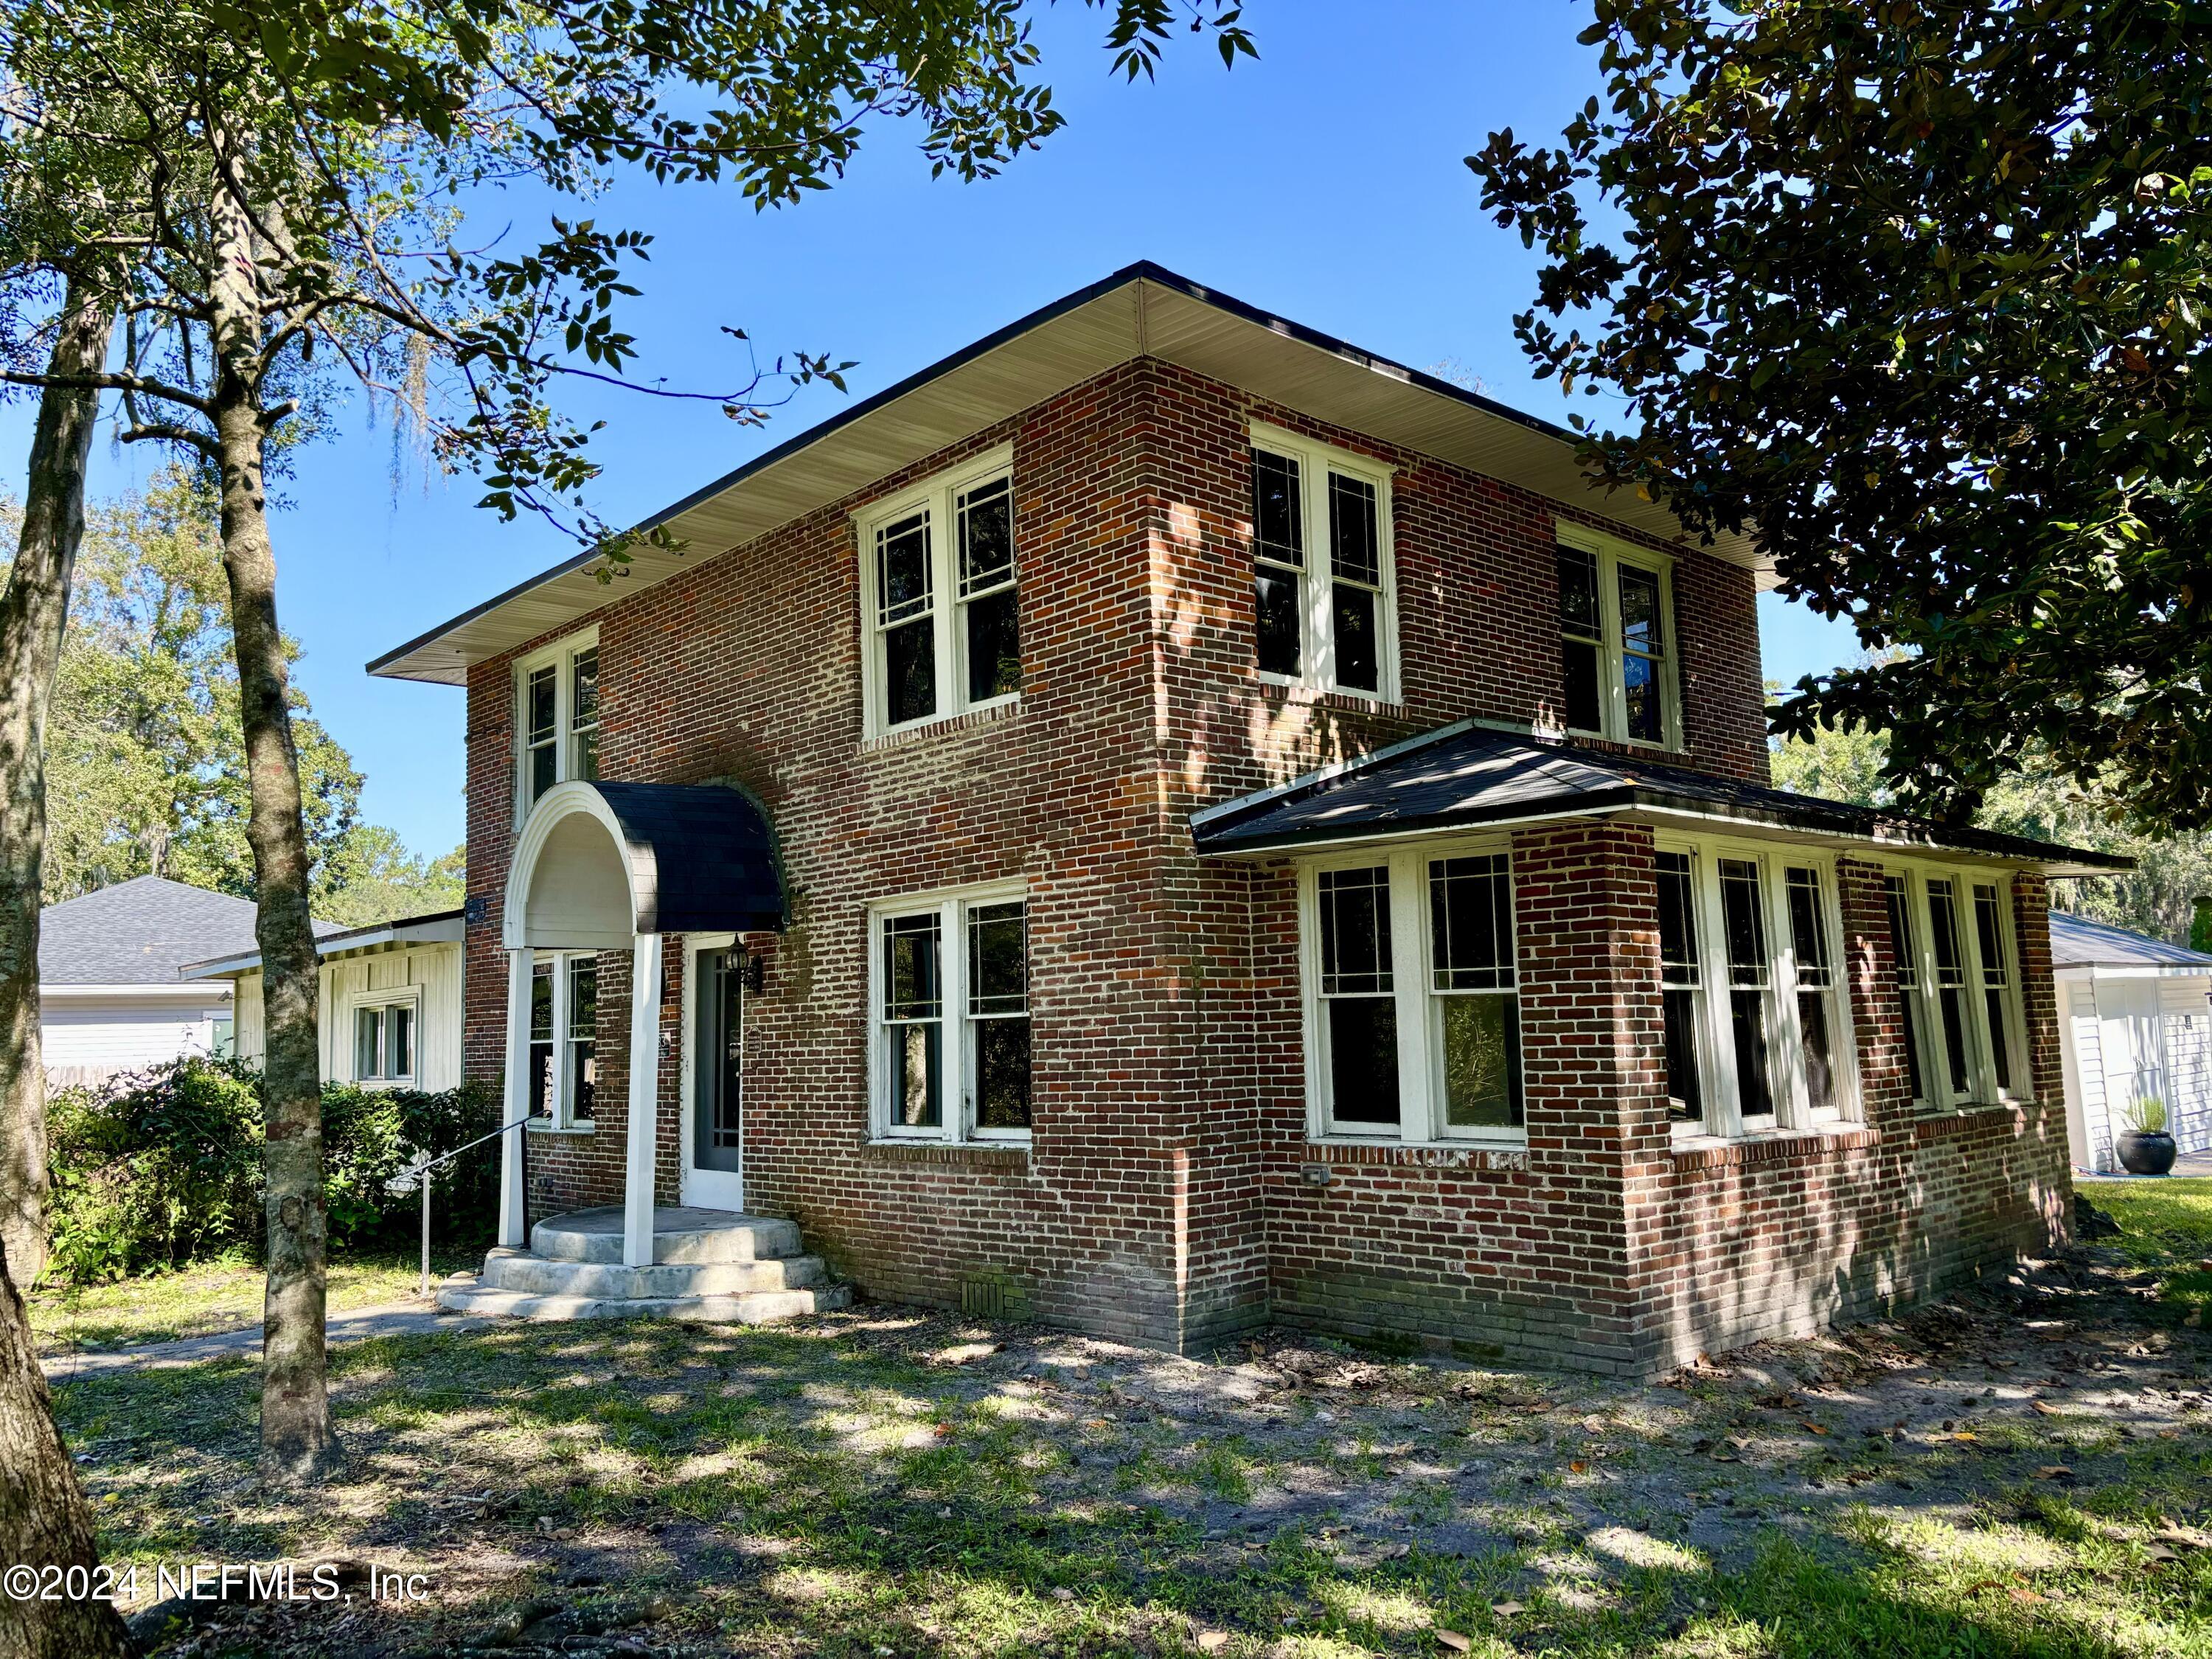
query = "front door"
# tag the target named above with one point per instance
(714, 1175)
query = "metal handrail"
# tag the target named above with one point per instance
(421, 1172)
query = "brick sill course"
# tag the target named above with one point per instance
(1423, 1154)
(968, 721)
(972, 1154)
(560, 1129)
(1780, 1146)
(1964, 1120)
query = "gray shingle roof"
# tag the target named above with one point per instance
(141, 931)
(2078, 942)
(1454, 778)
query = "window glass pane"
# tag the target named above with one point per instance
(1355, 549)
(914, 1047)
(1748, 1023)
(1579, 665)
(1815, 1025)
(902, 588)
(718, 1071)
(367, 1043)
(1952, 1004)
(1363, 1059)
(995, 648)
(1482, 1061)
(1275, 604)
(1002, 1073)
(584, 689)
(1678, 920)
(910, 673)
(1905, 954)
(1355, 931)
(1579, 607)
(586, 762)
(399, 1041)
(1743, 915)
(1471, 923)
(1646, 713)
(997, 973)
(1276, 512)
(1686, 1100)
(1943, 937)
(1808, 929)
(913, 988)
(1680, 975)
(583, 996)
(1358, 661)
(1639, 610)
(986, 536)
(544, 762)
(1995, 978)
(544, 699)
(541, 1002)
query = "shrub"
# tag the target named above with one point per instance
(164, 1167)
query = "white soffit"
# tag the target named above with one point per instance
(1141, 311)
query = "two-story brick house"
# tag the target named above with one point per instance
(1165, 822)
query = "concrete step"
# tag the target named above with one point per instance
(517, 1270)
(686, 1236)
(751, 1308)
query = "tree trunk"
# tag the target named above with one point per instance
(298, 1443)
(43, 1519)
(32, 613)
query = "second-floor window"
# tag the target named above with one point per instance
(940, 597)
(1616, 645)
(558, 693)
(1323, 590)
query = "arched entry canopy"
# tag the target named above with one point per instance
(619, 866)
(599, 864)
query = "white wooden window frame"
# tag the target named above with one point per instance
(1316, 611)
(1938, 1095)
(950, 907)
(1715, 1038)
(938, 498)
(408, 997)
(562, 656)
(564, 1116)
(1611, 554)
(1421, 1023)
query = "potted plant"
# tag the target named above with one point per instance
(2145, 1147)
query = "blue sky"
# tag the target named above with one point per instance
(1324, 181)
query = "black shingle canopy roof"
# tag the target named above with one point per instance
(1468, 777)
(712, 854)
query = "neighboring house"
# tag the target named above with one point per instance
(2137, 1014)
(390, 1009)
(1163, 821)
(111, 997)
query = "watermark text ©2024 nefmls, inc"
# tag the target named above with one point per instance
(210, 1581)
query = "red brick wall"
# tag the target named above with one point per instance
(1170, 1195)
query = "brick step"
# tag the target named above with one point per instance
(680, 1235)
(536, 1275)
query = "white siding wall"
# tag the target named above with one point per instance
(2088, 1123)
(2188, 1060)
(2128, 1035)
(81, 1040)
(432, 970)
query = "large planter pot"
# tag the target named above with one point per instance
(2145, 1154)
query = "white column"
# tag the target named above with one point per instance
(644, 1098)
(518, 1100)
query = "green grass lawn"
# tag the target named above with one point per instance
(207, 1297)
(2021, 1473)
(2167, 1226)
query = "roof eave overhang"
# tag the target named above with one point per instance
(1661, 807)
(439, 927)
(1141, 311)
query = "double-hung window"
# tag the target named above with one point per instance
(1756, 1026)
(557, 690)
(940, 598)
(1414, 1014)
(950, 1049)
(565, 1018)
(1952, 937)
(1323, 585)
(1616, 641)
(383, 1035)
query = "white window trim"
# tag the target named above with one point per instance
(1935, 1063)
(1420, 1040)
(1716, 1037)
(564, 1118)
(950, 905)
(1612, 709)
(1317, 625)
(563, 653)
(409, 997)
(938, 496)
